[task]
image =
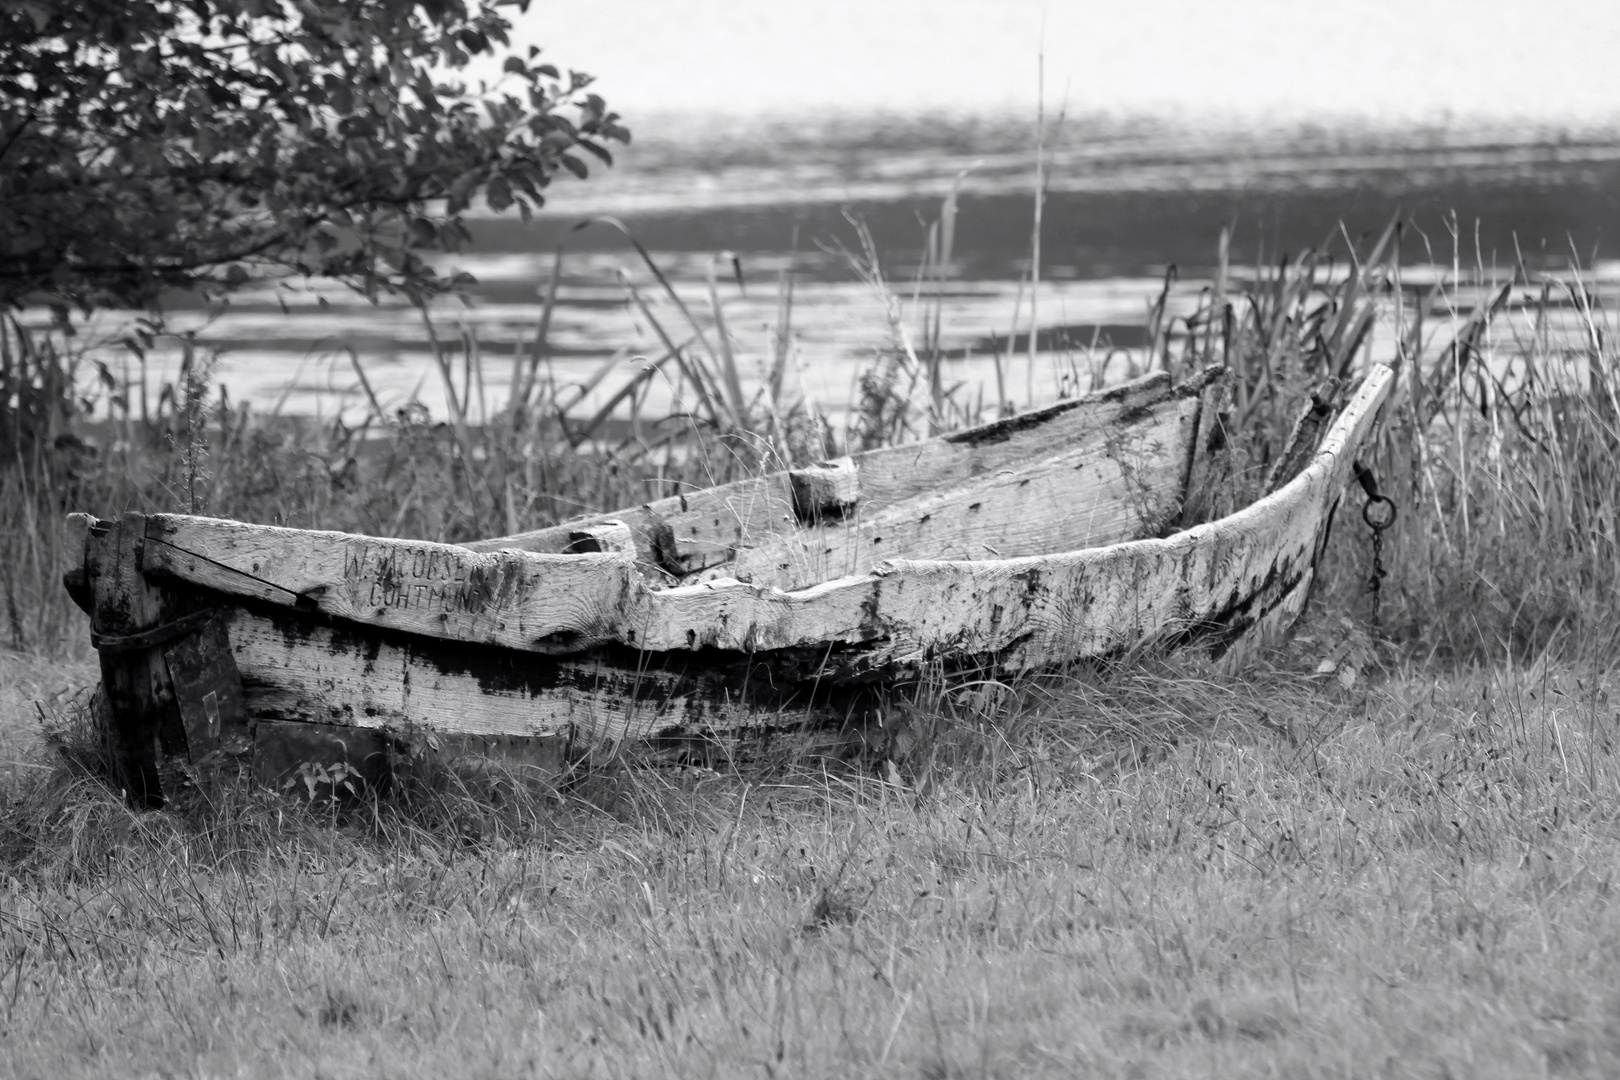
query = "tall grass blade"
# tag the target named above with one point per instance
(730, 380)
(690, 367)
(525, 376)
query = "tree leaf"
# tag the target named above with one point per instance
(597, 151)
(498, 194)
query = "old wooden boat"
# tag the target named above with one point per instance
(760, 605)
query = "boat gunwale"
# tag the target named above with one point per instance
(1360, 408)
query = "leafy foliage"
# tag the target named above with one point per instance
(199, 144)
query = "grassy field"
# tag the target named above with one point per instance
(1401, 866)
(1156, 872)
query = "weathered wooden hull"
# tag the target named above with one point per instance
(539, 645)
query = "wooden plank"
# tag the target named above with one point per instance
(1274, 615)
(610, 536)
(825, 492)
(1209, 476)
(148, 734)
(208, 693)
(709, 525)
(898, 472)
(1119, 482)
(303, 670)
(520, 599)
(1314, 415)
(76, 539)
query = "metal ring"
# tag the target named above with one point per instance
(1373, 522)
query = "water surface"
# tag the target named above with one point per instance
(1123, 210)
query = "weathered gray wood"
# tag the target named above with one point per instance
(208, 693)
(1239, 581)
(1314, 415)
(76, 538)
(299, 671)
(520, 599)
(148, 735)
(1223, 580)
(1218, 578)
(1121, 481)
(1209, 475)
(610, 536)
(825, 492)
(710, 526)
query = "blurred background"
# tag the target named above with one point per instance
(832, 164)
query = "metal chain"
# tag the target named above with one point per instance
(1379, 514)
(1376, 584)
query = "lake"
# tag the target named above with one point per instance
(764, 211)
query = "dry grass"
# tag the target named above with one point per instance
(1158, 872)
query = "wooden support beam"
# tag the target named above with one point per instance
(148, 735)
